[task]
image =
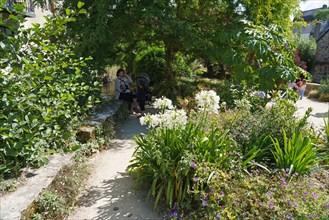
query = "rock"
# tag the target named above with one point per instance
(86, 133)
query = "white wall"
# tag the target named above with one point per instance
(39, 17)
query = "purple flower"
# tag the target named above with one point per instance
(268, 195)
(315, 196)
(271, 205)
(174, 214)
(327, 205)
(218, 215)
(204, 202)
(193, 165)
(195, 179)
(305, 193)
(221, 192)
(211, 190)
(283, 182)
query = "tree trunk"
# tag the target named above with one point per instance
(169, 75)
(169, 62)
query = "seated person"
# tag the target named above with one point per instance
(122, 91)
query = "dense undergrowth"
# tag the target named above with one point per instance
(242, 162)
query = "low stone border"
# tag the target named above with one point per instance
(13, 204)
(311, 86)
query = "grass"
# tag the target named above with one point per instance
(61, 196)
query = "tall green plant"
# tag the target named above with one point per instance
(297, 154)
(165, 158)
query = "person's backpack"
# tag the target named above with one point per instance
(143, 79)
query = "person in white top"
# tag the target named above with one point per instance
(122, 91)
(301, 89)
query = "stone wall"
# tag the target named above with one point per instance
(321, 67)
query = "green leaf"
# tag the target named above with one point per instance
(68, 11)
(83, 11)
(80, 4)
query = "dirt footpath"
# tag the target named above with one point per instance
(110, 193)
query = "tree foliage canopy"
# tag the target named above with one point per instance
(244, 35)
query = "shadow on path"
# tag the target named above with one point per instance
(119, 199)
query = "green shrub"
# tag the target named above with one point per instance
(306, 48)
(45, 89)
(52, 205)
(151, 61)
(257, 195)
(297, 154)
(251, 131)
(324, 86)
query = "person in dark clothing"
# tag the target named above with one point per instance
(143, 91)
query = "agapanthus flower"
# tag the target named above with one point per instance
(207, 100)
(163, 103)
(168, 120)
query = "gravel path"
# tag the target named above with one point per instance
(110, 194)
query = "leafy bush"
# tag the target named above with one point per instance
(251, 131)
(306, 48)
(151, 61)
(46, 87)
(324, 86)
(298, 154)
(258, 195)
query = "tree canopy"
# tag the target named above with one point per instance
(245, 36)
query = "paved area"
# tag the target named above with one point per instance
(319, 110)
(110, 193)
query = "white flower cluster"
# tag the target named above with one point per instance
(168, 120)
(243, 104)
(208, 100)
(163, 103)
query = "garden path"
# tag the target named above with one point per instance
(320, 109)
(110, 193)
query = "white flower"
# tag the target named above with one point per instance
(163, 103)
(208, 100)
(242, 104)
(168, 120)
(174, 119)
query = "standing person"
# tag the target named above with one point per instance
(143, 90)
(122, 91)
(301, 89)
